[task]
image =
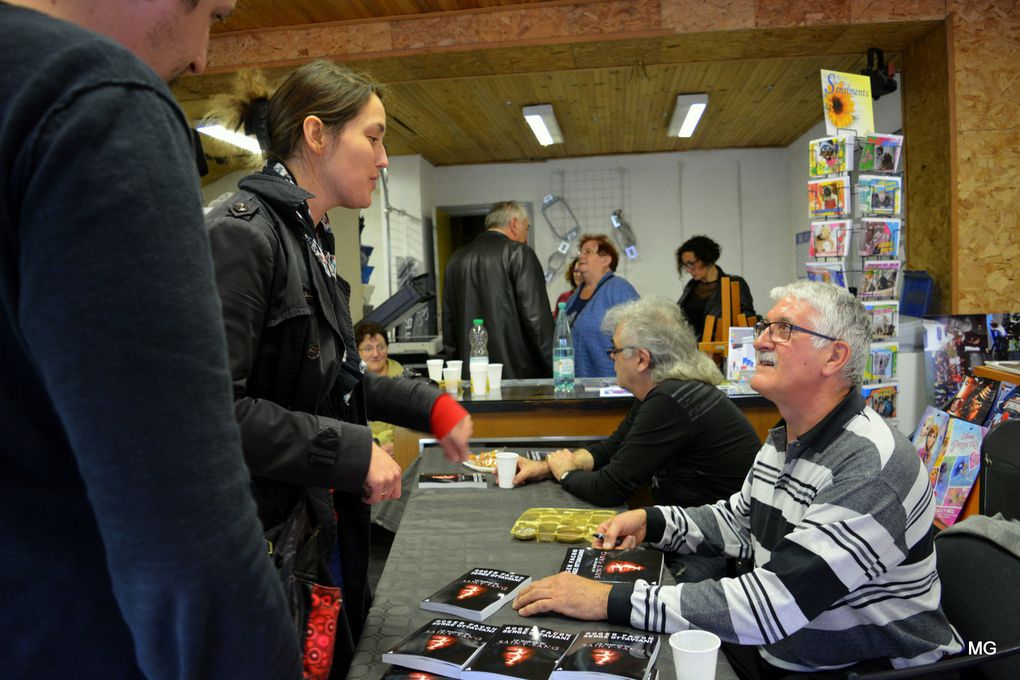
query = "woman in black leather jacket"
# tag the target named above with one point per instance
(301, 396)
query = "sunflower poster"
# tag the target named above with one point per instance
(846, 101)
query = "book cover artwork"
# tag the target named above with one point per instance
(608, 655)
(879, 279)
(929, 435)
(974, 400)
(881, 365)
(830, 239)
(1007, 404)
(885, 320)
(881, 237)
(829, 198)
(846, 103)
(957, 467)
(952, 343)
(827, 272)
(450, 480)
(615, 566)
(831, 155)
(515, 651)
(741, 360)
(477, 594)
(881, 398)
(881, 153)
(880, 194)
(442, 646)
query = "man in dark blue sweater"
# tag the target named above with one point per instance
(131, 544)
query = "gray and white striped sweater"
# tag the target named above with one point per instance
(839, 525)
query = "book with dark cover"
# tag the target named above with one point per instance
(607, 655)
(615, 566)
(401, 673)
(442, 646)
(1007, 405)
(516, 651)
(477, 594)
(451, 480)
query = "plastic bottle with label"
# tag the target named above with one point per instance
(563, 353)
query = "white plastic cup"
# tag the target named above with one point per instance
(506, 468)
(479, 379)
(455, 363)
(694, 654)
(435, 369)
(495, 376)
(452, 378)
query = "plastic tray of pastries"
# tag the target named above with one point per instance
(563, 525)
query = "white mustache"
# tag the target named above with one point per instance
(766, 357)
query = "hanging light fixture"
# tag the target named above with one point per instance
(230, 137)
(543, 123)
(687, 113)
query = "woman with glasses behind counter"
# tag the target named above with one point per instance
(702, 295)
(600, 289)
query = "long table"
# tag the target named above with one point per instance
(446, 532)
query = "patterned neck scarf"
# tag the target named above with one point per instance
(326, 258)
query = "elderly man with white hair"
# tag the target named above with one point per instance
(836, 514)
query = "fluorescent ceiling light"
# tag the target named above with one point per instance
(231, 137)
(543, 123)
(687, 113)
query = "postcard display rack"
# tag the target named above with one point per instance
(855, 204)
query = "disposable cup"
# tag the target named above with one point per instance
(506, 468)
(435, 369)
(451, 376)
(479, 379)
(694, 654)
(455, 363)
(495, 376)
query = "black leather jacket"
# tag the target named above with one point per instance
(499, 280)
(301, 403)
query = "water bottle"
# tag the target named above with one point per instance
(479, 338)
(563, 354)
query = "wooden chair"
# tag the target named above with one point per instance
(715, 338)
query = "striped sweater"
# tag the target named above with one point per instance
(838, 523)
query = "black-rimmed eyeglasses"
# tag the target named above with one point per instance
(689, 266)
(613, 351)
(780, 331)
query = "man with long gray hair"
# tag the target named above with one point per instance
(836, 514)
(683, 437)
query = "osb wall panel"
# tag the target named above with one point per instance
(695, 16)
(801, 12)
(926, 126)
(986, 54)
(988, 198)
(871, 11)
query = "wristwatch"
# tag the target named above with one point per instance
(563, 477)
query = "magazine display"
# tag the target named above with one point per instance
(449, 480)
(1007, 404)
(880, 194)
(830, 239)
(442, 646)
(885, 319)
(881, 365)
(879, 279)
(516, 651)
(615, 566)
(829, 198)
(827, 272)
(881, 237)
(957, 467)
(881, 398)
(951, 344)
(846, 103)
(608, 655)
(742, 357)
(881, 153)
(974, 400)
(477, 594)
(929, 435)
(831, 155)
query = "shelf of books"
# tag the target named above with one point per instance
(855, 204)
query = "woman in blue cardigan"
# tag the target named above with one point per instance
(600, 289)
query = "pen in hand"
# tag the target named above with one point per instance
(599, 535)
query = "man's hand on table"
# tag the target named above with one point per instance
(567, 594)
(455, 443)
(560, 461)
(530, 471)
(628, 527)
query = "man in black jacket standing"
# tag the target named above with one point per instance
(498, 278)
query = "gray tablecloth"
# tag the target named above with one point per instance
(446, 532)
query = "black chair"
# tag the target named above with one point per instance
(1000, 470)
(981, 598)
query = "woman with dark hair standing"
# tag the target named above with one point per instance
(702, 295)
(300, 395)
(599, 290)
(573, 278)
